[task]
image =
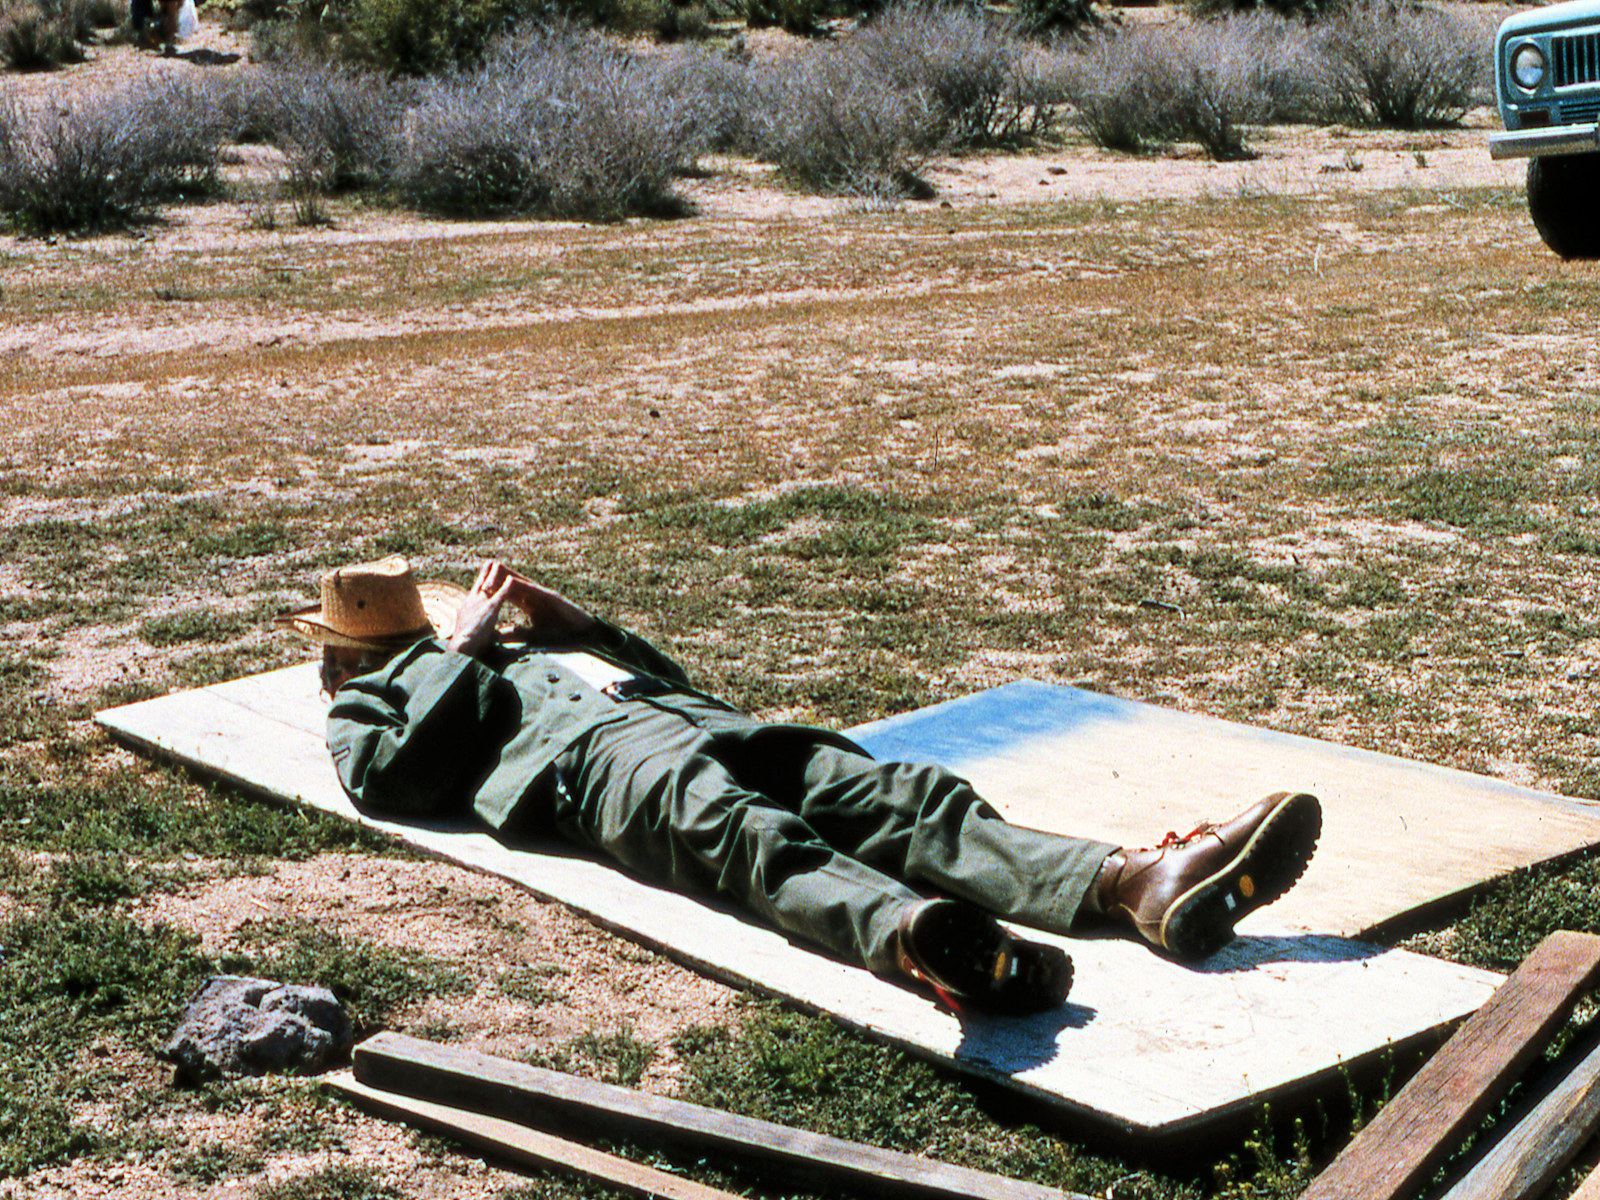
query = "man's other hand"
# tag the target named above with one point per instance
(552, 615)
(480, 609)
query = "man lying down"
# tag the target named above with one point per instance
(570, 725)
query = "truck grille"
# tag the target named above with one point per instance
(1578, 112)
(1575, 58)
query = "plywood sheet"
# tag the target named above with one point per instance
(1397, 835)
(1144, 1047)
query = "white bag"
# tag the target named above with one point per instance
(188, 20)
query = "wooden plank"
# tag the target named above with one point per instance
(514, 1091)
(1397, 1152)
(1099, 766)
(523, 1146)
(1145, 1049)
(1538, 1145)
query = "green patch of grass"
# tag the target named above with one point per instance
(296, 1121)
(17, 609)
(104, 879)
(873, 688)
(1463, 497)
(252, 539)
(559, 1189)
(370, 980)
(25, 715)
(867, 523)
(808, 1072)
(337, 1182)
(1370, 588)
(1516, 914)
(67, 975)
(193, 625)
(618, 1058)
(211, 1162)
(532, 983)
(218, 666)
(417, 533)
(1567, 540)
(1098, 510)
(435, 1031)
(152, 814)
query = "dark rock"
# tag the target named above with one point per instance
(236, 1025)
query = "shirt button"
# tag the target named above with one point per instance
(553, 677)
(575, 696)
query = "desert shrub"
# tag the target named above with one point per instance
(106, 14)
(1397, 63)
(40, 35)
(335, 125)
(425, 37)
(1136, 89)
(804, 18)
(832, 122)
(104, 160)
(715, 93)
(1303, 10)
(247, 14)
(683, 21)
(972, 65)
(1111, 83)
(556, 121)
(1052, 20)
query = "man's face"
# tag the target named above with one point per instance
(343, 663)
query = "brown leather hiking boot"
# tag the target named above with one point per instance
(1186, 894)
(972, 961)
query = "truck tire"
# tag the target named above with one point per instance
(1563, 191)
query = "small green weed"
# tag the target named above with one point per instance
(618, 1058)
(338, 1182)
(532, 983)
(211, 1162)
(1516, 914)
(372, 981)
(69, 974)
(193, 625)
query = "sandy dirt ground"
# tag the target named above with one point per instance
(597, 982)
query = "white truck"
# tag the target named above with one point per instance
(1547, 75)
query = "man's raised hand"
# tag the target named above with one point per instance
(551, 616)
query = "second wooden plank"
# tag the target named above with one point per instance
(1394, 1155)
(550, 1099)
(523, 1146)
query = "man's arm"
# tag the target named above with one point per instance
(552, 618)
(417, 738)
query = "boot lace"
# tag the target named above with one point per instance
(1172, 839)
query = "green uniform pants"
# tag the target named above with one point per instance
(826, 844)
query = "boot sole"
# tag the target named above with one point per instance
(985, 967)
(1200, 922)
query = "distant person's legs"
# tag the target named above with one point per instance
(169, 24)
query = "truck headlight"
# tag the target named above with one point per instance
(1527, 67)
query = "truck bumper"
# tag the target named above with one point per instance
(1558, 139)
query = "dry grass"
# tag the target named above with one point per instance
(1057, 444)
(849, 465)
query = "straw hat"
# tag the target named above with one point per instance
(377, 606)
